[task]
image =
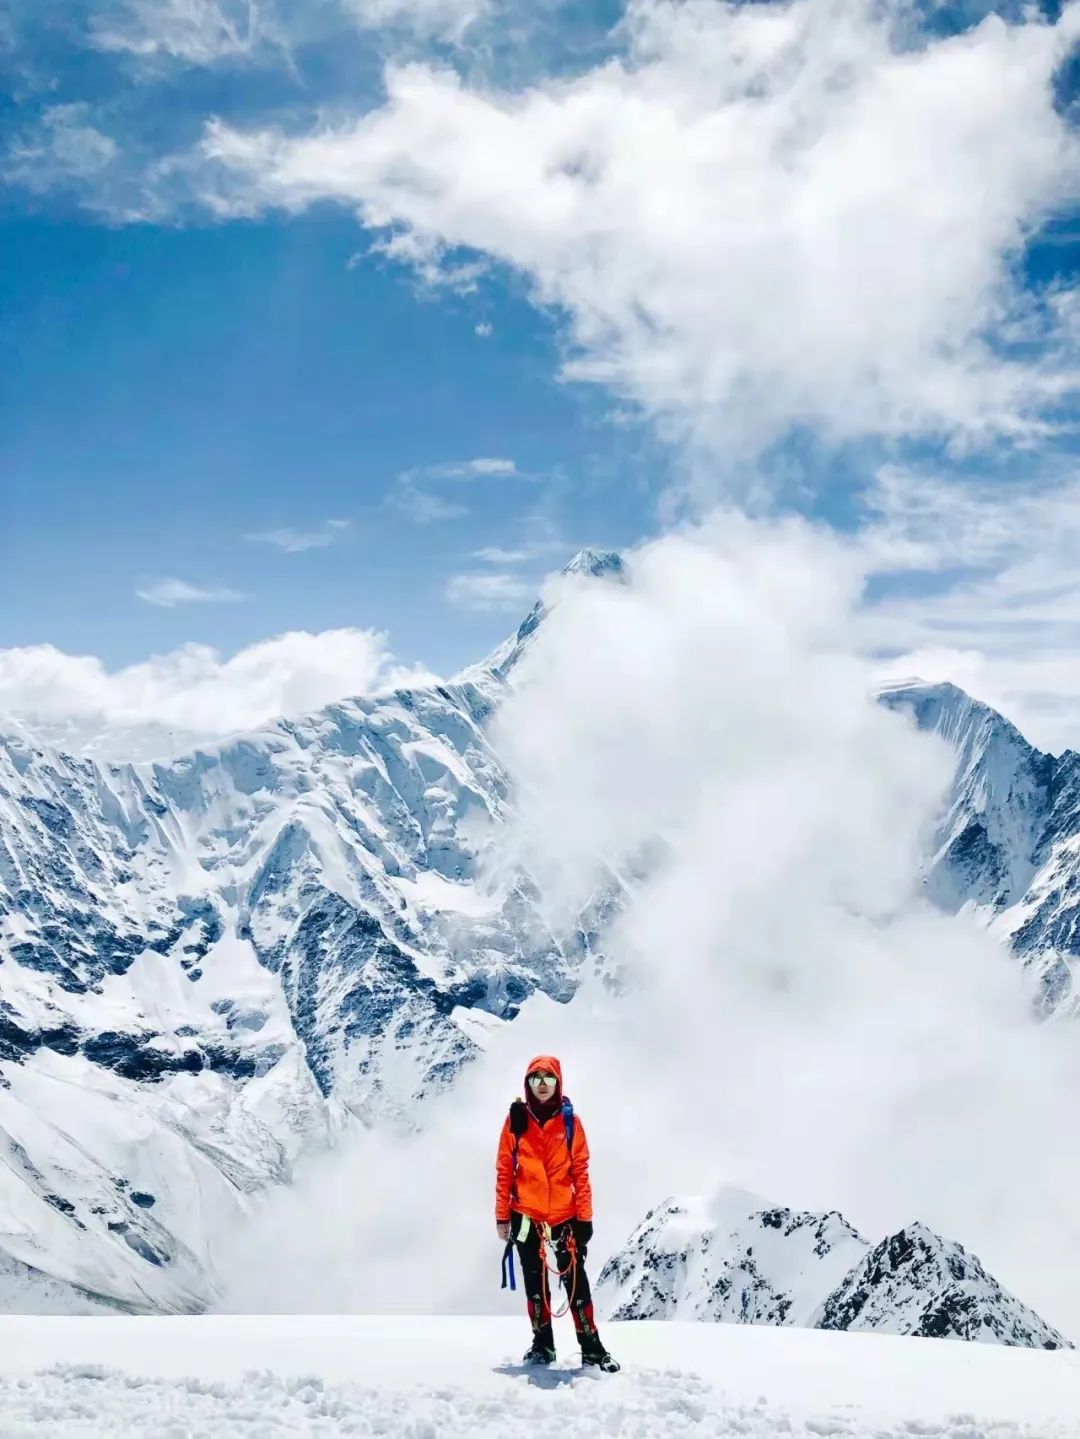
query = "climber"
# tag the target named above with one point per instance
(543, 1206)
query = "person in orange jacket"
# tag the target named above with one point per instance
(543, 1206)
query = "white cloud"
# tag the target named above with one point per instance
(193, 693)
(197, 32)
(805, 1025)
(858, 1049)
(484, 330)
(526, 552)
(486, 590)
(63, 148)
(496, 555)
(169, 593)
(424, 507)
(481, 468)
(764, 216)
(294, 541)
(446, 19)
(985, 592)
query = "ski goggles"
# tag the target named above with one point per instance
(537, 1079)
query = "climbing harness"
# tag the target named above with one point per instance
(544, 1241)
(546, 1269)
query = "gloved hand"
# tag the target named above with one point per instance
(582, 1233)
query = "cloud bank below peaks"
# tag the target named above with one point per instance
(753, 219)
(161, 705)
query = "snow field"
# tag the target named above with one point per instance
(449, 1378)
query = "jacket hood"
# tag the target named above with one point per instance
(550, 1065)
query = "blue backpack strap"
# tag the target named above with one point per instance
(568, 1123)
(508, 1264)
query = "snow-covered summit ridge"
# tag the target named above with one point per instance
(492, 673)
(739, 1260)
(598, 565)
(1008, 838)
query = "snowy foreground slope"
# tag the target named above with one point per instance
(736, 1259)
(460, 1378)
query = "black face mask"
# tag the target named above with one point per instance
(542, 1110)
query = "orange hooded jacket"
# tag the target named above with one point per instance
(551, 1182)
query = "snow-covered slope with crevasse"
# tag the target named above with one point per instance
(738, 1260)
(209, 963)
(461, 1378)
(1008, 841)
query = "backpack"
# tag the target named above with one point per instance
(519, 1122)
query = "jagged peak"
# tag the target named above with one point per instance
(600, 564)
(954, 713)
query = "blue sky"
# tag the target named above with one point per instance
(366, 314)
(174, 386)
(178, 389)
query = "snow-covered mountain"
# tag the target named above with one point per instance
(1008, 842)
(209, 963)
(735, 1259)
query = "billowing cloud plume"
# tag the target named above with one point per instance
(759, 218)
(161, 704)
(790, 1016)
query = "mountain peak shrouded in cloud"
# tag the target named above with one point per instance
(740, 1260)
(600, 564)
(589, 564)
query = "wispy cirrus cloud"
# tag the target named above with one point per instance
(527, 552)
(296, 541)
(413, 496)
(443, 19)
(196, 32)
(422, 507)
(171, 593)
(63, 147)
(497, 555)
(468, 469)
(489, 590)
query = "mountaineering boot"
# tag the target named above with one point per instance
(593, 1353)
(595, 1356)
(542, 1349)
(539, 1352)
